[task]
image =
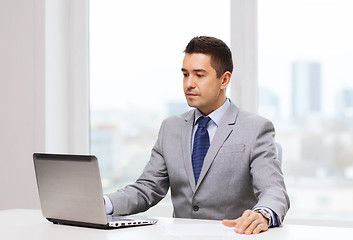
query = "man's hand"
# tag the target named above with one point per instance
(249, 223)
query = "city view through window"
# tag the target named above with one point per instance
(306, 89)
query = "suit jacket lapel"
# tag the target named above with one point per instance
(223, 131)
(186, 143)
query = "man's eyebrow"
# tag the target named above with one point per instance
(199, 70)
(194, 70)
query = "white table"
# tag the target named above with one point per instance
(29, 224)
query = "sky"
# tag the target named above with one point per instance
(306, 30)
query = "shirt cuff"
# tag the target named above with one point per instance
(274, 218)
(109, 209)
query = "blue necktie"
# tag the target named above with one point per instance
(201, 145)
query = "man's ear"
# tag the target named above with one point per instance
(225, 79)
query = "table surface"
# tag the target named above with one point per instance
(30, 224)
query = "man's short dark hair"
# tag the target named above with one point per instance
(221, 56)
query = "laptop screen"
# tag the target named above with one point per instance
(70, 187)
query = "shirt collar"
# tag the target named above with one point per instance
(217, 115)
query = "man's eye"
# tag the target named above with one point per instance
(199, 75)
(185, 74)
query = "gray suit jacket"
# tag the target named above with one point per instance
(241, 171)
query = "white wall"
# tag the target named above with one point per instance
(44, 101)
(22, 116)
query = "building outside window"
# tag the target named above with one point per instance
(306, 89)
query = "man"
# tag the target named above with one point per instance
(219, 161)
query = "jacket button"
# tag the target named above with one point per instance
(195, 208)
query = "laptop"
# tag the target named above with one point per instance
(70, 192)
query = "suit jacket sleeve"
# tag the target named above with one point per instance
(149, 188)
(268, 181)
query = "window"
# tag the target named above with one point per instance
(136, 52)
(306, 89)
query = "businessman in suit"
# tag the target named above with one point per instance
(238, 177)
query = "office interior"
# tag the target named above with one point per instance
(46, 106)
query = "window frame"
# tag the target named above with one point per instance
(67, 76)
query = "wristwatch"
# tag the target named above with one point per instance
(266, 215)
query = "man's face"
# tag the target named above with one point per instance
(202, 89)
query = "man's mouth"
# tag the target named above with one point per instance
(190, 94)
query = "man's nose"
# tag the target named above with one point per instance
(190, 82)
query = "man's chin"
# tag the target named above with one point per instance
(192, 104)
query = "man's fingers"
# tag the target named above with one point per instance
(249, 223)
(259, 224)
(253, 228)
(245, 222)
(250, 228)
(229, 223)
(247, 213)
(260, 228)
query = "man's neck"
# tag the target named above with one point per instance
(207, 112)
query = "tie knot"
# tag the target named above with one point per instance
(203, 121)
